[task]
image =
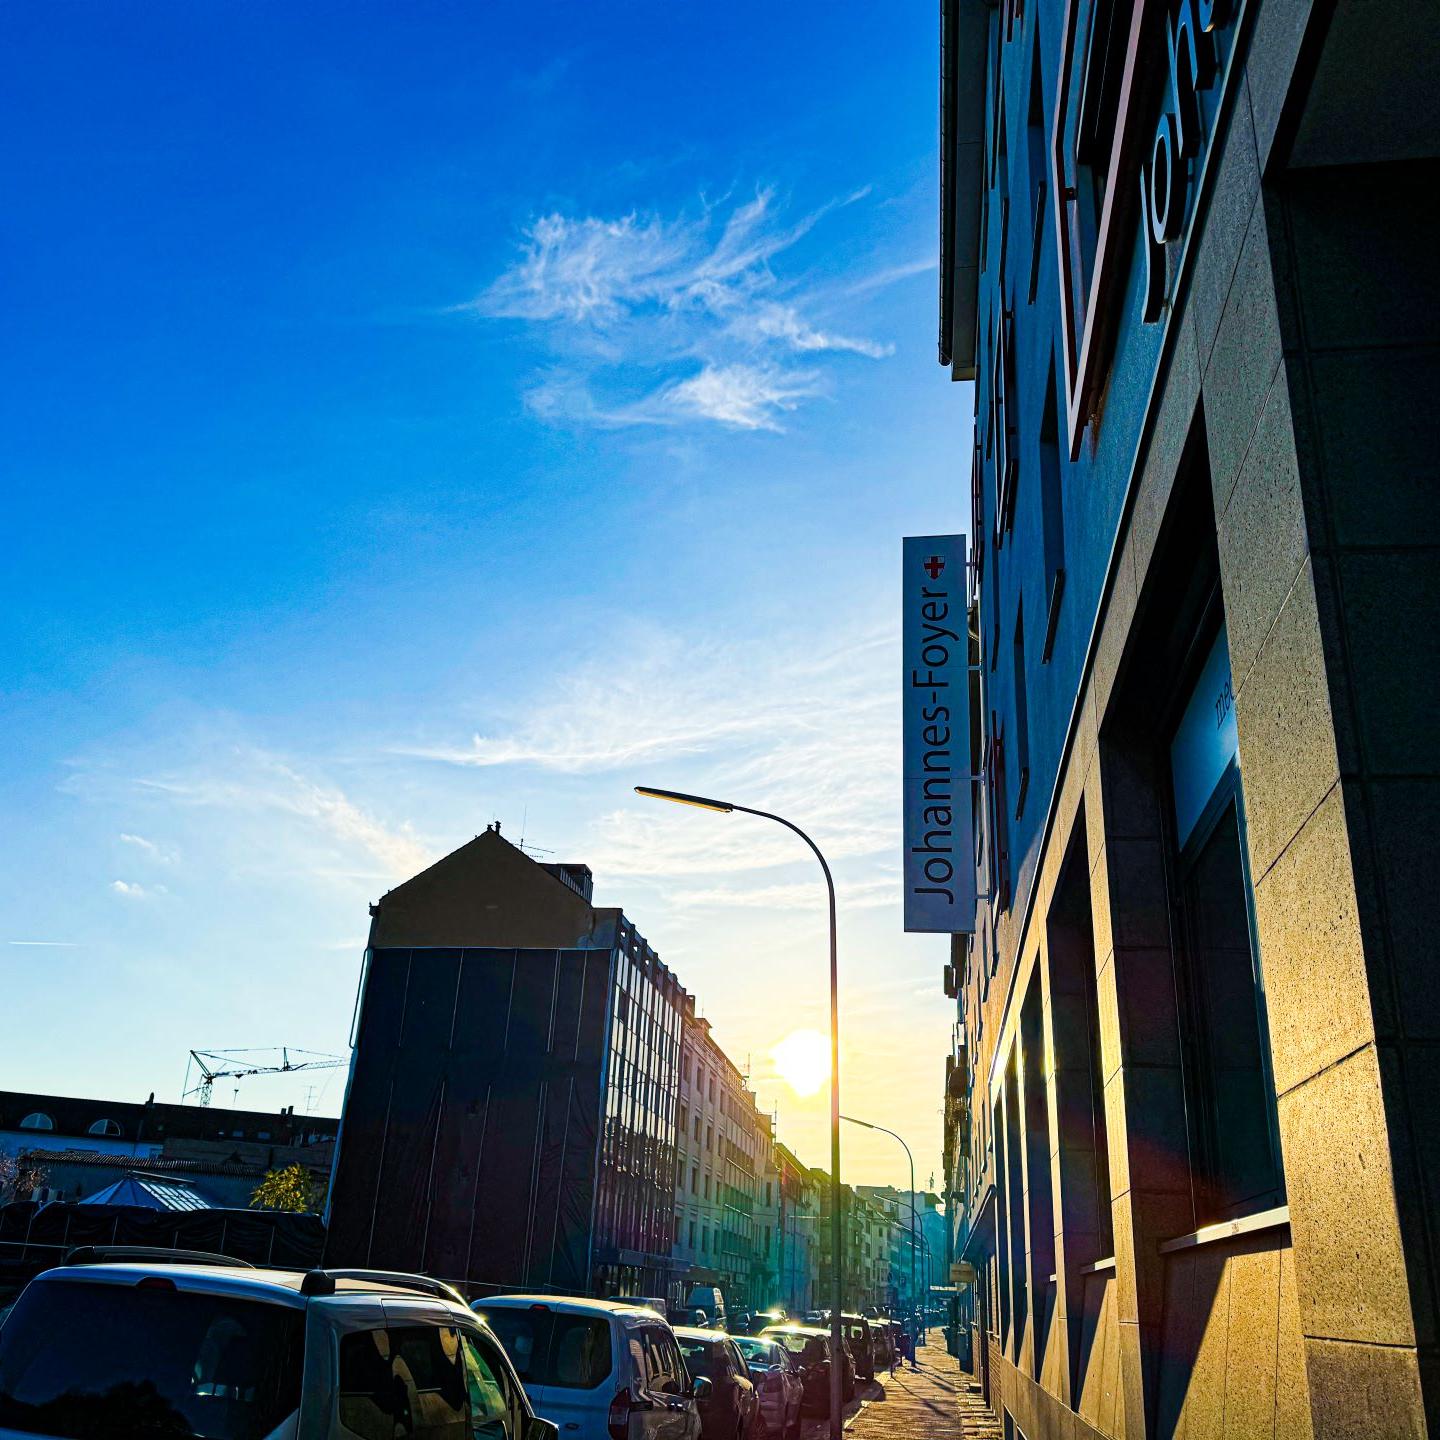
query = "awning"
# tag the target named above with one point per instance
(982, 1227)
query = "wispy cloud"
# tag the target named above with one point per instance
(46, 944)
(148, 847)
(256, 780)
(741, 396)
(813, 734)
(128, 890)
(893, 274)
(672, 320)
(867, 895)
(279, 813)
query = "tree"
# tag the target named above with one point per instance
(19, 1177)
(293, 1189)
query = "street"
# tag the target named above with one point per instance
(931, 1401)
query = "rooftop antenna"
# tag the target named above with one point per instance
(528, 849)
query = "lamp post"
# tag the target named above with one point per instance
(725, 807)
(914, 1241)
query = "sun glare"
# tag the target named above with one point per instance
(803, 1060)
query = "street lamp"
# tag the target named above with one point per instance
(837, 1238)
(914, 1241)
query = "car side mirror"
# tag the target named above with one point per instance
(539, 1429)
(702, 1390)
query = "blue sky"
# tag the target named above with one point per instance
(421, 415)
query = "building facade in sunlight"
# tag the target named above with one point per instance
(1188, 264)
(724, 1145)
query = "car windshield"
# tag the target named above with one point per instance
(547, 1348)
(702, 1357)
(757, 1353)
(120, 1362)
(808, 1347)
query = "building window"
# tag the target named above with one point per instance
(104, 1127)
(1039, 180)
(707, 1185)
(709, 1137)
(1022, 713)
(694, 1180)
(37, 1120)
(1230, 1095)
(997, 816)
(1079, 1066)
(1052, 512)
(705, 1239)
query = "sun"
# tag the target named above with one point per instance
(803, 1060)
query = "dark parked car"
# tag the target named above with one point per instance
(882, 1343)
(729, 1410)
(778, 1383)
(811, 1347)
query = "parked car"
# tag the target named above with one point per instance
(599, 1369)
(778, 1383)
(729, 1410)
(882, 1343)
(857, 1332)
(642, 1302)
(125, 1346)
(763, 1319)
(811, 1346)
(710, 1299)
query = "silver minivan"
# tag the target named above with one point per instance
(231, 1352)
(598, 1369)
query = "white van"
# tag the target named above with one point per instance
(145, 1341)
(598, 1369)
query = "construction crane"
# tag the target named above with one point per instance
(213, 1065)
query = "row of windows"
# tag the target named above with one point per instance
(39, 1120)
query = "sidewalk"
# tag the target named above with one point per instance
(933, 1402)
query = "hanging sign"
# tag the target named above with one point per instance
(939, 865)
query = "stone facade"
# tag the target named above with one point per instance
(1176, 1226)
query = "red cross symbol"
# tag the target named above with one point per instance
(933, 566)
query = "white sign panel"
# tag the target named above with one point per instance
(939, 859)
